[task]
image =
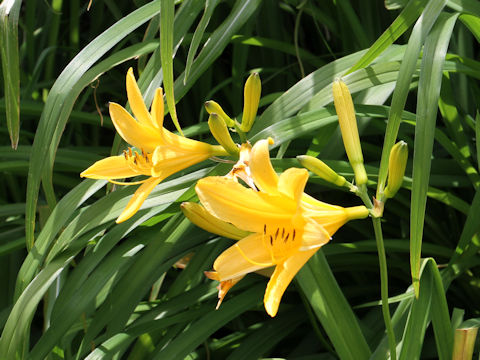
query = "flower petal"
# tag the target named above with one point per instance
(331, 217)
(158, 109)
(136, 101)
(138, 198)
(262, 170)
(246, 256)
(282, 276)
(292, 183)
(113, 167)
(245, 208)
(314, 235)
(168, 161)
(136, 134)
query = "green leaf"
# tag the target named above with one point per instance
(407, 68)
(167, 13)
(427, 106)
(197, 332)
(9, 12)
(16, 332)
(470, 228)
(210, 6)
(216, 43)
(60, 102)
(401, 24)
(332, 309)
(442, 326)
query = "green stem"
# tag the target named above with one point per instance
(377, 226)
(382, 259)
(243, 135)
(363, 194)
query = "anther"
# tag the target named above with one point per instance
(276, 233)
(283, 232)
(271, 240)
(286, 238)
(293, 237)
(264, 229)
(125, 155)
(130, 152)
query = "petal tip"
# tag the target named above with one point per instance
(212, 275)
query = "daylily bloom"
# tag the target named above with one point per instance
(287, 226)
(160, 153)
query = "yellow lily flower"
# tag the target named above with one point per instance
(160, 154)
(287, 225)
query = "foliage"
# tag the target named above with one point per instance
(74, 284)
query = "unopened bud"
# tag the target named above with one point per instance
(397, 163)
(214, 108)
(318, 167)
(348, 127)
(251, 99)
(220, 132)
(198, 215)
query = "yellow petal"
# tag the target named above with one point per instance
(245, 208)
(292, 183)
(224, 287)
(158, 109)
(331, 217)
(138, 198)
(168, 161)
(186, 144)
(136, 102)
(263, 173)
(113, 167)
(282, 276)
(136, 134)
(247, 255)
(314, 235)
(197, 214)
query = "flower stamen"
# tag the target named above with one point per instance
(250, 260)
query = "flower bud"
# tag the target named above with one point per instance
(348, 127)
(214, 108)
(251, 99)
(198, 215)
(321, 169)
(397, 163)
(220, 132)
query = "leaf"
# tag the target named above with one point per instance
(407, 68)
(210, 6)
(60, 102)
(167, 13)
(401, 24)
(332, 309)
(427, 106)
(9, 12)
